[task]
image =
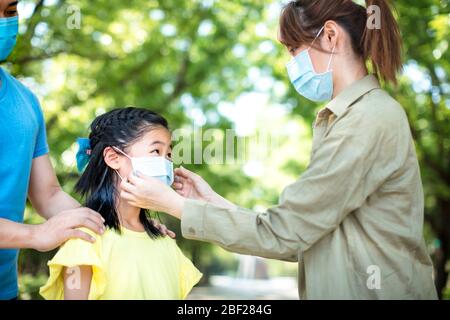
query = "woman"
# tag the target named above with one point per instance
(354, 220)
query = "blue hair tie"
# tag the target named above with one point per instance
(83, 154)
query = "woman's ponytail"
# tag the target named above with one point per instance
(381, 40)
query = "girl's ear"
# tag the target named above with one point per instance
(111, 158)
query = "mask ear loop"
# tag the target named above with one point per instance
(117, 149)
(117, 171)
(332, 52)
(318, 34)
(331, 58)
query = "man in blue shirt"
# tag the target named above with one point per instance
(26, 170)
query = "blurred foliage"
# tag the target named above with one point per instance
(193, 59)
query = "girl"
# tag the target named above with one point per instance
(131, 260)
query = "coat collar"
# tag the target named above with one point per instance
(352, 93)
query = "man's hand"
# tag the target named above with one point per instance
(64, 226)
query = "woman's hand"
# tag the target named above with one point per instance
(150, 193)
(190, 185)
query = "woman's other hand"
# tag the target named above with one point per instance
(192, 186)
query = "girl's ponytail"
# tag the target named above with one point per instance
(381, 42)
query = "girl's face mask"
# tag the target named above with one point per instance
(156, 167)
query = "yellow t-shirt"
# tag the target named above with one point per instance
(130, 265)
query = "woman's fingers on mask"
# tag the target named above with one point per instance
(127, 196)
(177, 186)
(184, 173)
(180, 192)
(134, 204)
(134, 179)
(178, 172)
(128, 187)
(181, 180)
(141, 181)
(178, 178)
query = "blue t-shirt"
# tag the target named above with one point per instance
(22, 138)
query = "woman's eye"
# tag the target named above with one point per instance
(11, 13)
(169, 155)
(155, 151)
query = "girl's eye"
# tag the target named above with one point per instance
(155, 151)
(292, 50)
(11, 13)
(169, 155)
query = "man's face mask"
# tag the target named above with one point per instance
(9, 28)
(156, 167)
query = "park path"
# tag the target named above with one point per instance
(226, 288)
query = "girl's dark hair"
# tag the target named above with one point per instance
(301, 20)
(117, 128)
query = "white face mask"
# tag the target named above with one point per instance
(156, 167)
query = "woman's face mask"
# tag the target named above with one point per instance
(156, 167)
(311, 85)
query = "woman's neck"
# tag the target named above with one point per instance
(129, 216)
(348, 74)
